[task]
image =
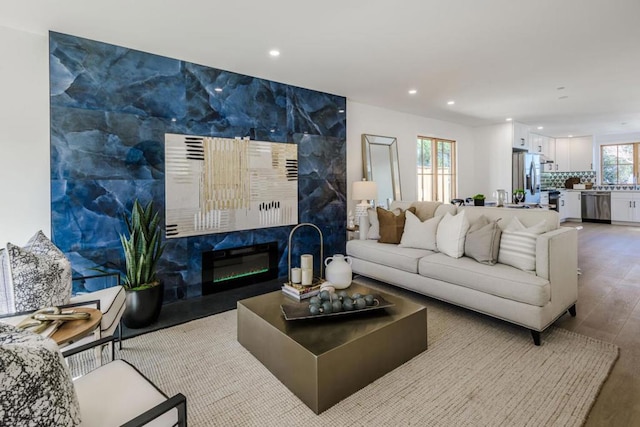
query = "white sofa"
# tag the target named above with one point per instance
(531, 300)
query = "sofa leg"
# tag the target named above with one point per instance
(120, 335)
(536, 337)
(572, 310)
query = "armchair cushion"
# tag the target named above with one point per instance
(34, 276)
(35, 385)
(115, 393)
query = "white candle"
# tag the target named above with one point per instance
(306, 261)
(296, 275)
(307, 276)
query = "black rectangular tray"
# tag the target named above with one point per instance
(300, 310)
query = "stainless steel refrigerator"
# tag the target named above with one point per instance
(526, 175)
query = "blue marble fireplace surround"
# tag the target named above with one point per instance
(110, 109)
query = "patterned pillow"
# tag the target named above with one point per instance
(35, 385)
(39, 275)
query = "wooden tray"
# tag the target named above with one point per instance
(301, 310)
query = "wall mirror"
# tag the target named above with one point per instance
(380, 165)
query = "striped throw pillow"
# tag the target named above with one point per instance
(518, 245)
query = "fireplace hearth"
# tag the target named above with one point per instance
(235, 267)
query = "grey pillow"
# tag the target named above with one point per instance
(483, 241)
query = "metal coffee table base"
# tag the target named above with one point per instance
(323, 361)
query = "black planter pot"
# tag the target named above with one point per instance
(478, 202)
(143, 307)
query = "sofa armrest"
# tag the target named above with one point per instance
(557, 261)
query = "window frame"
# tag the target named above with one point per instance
(635, 161)
(437, 170)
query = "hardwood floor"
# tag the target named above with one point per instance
(609, 309)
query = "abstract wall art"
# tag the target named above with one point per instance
(218, 185)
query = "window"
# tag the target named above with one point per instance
(619, 163)
(436, 169)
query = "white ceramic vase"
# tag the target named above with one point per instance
(338, 271)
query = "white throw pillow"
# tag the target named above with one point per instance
(418, 234)
(451, 233)
(518, 245)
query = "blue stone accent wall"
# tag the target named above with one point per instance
(110, 109)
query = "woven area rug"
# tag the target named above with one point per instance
(477, 371)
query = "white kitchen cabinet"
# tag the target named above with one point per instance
(625, 206)
(521, 136)
(573, 202)
(563, 208)
(536, 143)
(562, 158)
(581, 153)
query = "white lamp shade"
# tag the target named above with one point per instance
(364, 190)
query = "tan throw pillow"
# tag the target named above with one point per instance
(391, 225)
(483, 241)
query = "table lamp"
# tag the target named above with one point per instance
(364, 191)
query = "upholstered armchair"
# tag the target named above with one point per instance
(37, 389)
(38, 275)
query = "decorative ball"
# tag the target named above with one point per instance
(343, 294)
(315, 300)
(314, 309)
(360, 303)
(336, 306)
(347, 304)
(369, 299)
(325, 295)
(355, 296)
(327, 307)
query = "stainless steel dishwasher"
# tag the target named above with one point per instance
(596, 206)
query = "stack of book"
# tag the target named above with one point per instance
(299, 292)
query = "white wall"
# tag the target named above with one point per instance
(363, 118)
(493, 157)
(25, 200)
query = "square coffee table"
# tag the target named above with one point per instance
(324, 360)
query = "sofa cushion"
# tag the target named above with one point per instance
(483, 241)
(451, 233)
(419, 234)
(391, 225)
(518, 245)
(405, 259)
(499, 280)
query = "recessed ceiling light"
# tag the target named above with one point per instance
(412, 92)
(218, 89)
(563, 97)
(451, 102)
(274, 52)
(570, 136)
(509, 119)
(540, 127)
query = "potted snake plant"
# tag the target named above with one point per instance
(143, 247)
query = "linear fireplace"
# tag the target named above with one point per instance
(231, 268)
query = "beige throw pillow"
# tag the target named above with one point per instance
(451, 234)
(419, 234)
(391, 225)
(483, 241)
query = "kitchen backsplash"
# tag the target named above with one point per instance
(557, 179)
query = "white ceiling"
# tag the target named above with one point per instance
(495, 58)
